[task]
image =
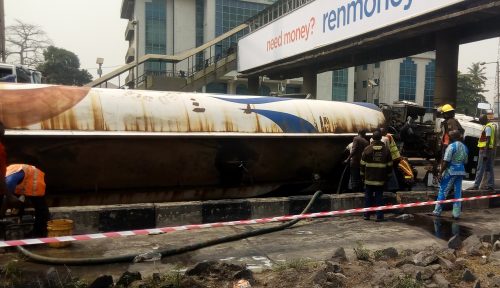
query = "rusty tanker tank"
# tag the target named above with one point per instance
(102, 146)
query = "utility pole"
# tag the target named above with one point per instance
(2, 31)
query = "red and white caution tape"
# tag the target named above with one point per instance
(154, 231)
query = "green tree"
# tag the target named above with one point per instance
(63, 67)
(470, 89)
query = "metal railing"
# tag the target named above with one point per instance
(274, 11)
(184, 64)
(190, 62)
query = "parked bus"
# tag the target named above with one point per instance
(19, 74)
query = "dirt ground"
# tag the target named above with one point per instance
(476, 264)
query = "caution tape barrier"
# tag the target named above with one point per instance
(154, 231)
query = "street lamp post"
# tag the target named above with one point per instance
(99, 61)
(497, 77)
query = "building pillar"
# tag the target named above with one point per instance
(253, 85)
(231, 87)
(446, 69)
(309, 81)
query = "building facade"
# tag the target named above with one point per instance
(411, 78)
(168, 27)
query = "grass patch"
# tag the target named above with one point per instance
(171, 279)
(378, 254)
(296, 264)
(361, 252)
(406, 282)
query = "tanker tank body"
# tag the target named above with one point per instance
(108, 146)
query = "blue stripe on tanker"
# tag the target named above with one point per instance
(256, 100)
(287, 122)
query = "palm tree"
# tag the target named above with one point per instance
(470, 89)
(476, 72)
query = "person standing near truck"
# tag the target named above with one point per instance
(359, 144)
(452, 173)
(449, 124)
(486, 159)
(376, 168)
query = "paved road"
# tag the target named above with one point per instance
(315, 239)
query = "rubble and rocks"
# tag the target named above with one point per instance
(472, 245)
(432, 267)
(496, 246)
(128, 277)
(425, 258)
(455, 242)
(339, 255)
(103, 281)
(468, 276)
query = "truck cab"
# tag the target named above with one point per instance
(19, 74)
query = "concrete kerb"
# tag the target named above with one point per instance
(92, 219)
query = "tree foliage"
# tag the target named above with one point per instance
(25, 44)
(470, 89)
(63, 67)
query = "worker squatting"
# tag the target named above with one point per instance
(357, 9)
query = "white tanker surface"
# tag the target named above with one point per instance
(109, 144)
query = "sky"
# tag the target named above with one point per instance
(93, 28)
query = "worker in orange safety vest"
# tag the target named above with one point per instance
(26, 183)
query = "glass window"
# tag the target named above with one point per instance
(407, 80)
(430, 81)
(200, 21)
(231, 13)
(339, 83)
(364, 84)
(365, 67)
(156, 33)
(220, 88)
(292, 89)
(242, 89)
(264, 90)
(377, 64)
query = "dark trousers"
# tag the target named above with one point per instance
(374, 195)
(356, 180)
(42, 215)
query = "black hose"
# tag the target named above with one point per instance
(342, 178)
(164, 253)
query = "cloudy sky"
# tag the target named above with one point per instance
(93, 28)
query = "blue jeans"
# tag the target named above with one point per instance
(447, 182)
(485, 166)
(378, 197)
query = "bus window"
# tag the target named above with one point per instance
(7, 73)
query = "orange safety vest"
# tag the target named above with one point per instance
(33, 183)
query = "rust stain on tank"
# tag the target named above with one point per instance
(98, 117)
(228, 123)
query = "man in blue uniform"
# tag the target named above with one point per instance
(452, 173)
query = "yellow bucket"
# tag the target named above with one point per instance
(59, 227)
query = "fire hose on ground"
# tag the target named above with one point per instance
(165, 252)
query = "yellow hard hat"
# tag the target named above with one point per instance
(447, 108)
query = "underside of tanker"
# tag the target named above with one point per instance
(94, 170)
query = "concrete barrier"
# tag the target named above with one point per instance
(91, 219)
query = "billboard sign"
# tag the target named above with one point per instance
(325, 22)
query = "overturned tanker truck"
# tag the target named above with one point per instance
(103, 146)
